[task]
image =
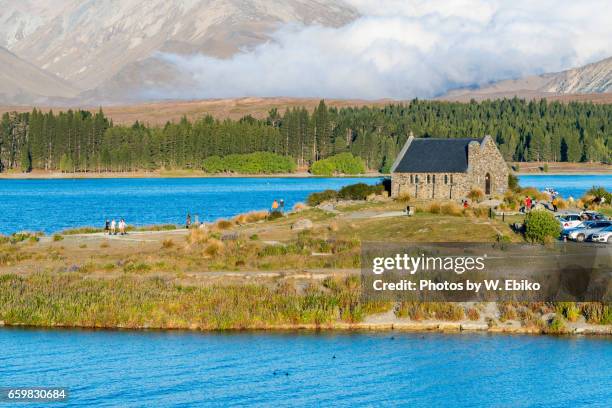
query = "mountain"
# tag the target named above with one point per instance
(22, 82)
(112, 44)
(595, 78)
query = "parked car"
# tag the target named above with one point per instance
(584, 231)
(569, 220)
(604, 235)
(592, 216)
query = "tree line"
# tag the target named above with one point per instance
(524, 131)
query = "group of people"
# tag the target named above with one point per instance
(113, 227)
(278, 205)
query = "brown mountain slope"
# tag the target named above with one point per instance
(595, 78)
(21, 81)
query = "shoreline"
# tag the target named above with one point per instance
(446, 327)
(43, 175)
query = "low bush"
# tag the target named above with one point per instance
(451, 208)
(556, 326)
(343, 163)
(223, 224)
(297, 207)
(596, 313)
(359, 191)
(250, 217)
(473, 313)
(431, 310)
(476, 195)
(403, 197)
(541, 226)
(569, 310)
(513, 182)
(274, 215)
(315, 199)
(57, 237)
(434, 208)
(252, 163)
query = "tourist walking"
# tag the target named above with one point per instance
(282, 205)
(107, 227)
(188, 221)
(274, 206)
(113, 227)
(122, 227)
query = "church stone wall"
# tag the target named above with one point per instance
(483, 158)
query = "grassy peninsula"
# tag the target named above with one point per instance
(258, 271)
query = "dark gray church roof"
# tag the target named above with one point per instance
(428, 155)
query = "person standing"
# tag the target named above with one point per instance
(113, 227)
(122, 227)
(107, 227)
(274, 206)
(282, 205)
(188, 221)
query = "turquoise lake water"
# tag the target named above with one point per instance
(53, 205)
(158, 369)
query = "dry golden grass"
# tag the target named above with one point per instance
(560, 203)
(451, 208)
(333, 226)
(250, 217)
(214, 247)
(197, 236)
(223, 225)
(300, 207)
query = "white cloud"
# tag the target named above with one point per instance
(404, 49)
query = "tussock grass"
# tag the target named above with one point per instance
(223, 225)
(250, 217)
(300, 207)
(431, 310)
(132, 302)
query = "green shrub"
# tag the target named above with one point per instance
(343, 163)
(323, 168)
(252, 163)
(569, 310)
(541, 226)
(513, 182)
(315, 199)
(57, 237)
(556, 326)
(359, 191)
(274, 215)
(599, 193)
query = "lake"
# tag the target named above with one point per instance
(574, 185)
(123, 368)
(51, 205)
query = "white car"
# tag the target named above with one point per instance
(585, 230)
(605, 235)
(569, 220)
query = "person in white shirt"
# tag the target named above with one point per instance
(113, 228)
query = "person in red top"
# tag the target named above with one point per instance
(528, 203)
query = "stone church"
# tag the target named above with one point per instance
(428, 168)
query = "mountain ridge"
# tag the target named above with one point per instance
(593, 78)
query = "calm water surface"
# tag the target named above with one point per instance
(53, 205)
(128, 369)
(568, 185)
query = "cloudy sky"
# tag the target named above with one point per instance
(403, 49)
